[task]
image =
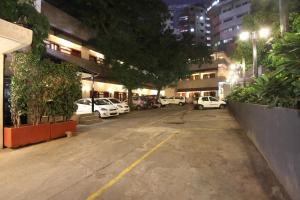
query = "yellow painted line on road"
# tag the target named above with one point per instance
(116, 179)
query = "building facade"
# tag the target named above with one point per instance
(226, 19)
(191, 18)
(66, 43)
(206, 80)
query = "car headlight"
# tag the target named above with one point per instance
(119, 106)
(103, 109)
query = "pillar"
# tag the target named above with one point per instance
(1, 98)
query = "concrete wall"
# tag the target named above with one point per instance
(62, 21)
(276, 133)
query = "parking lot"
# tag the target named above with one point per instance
(166, 153)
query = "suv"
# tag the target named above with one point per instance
(176, 100)
(208, 102)
(163, 101)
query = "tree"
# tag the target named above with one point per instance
(24, 13)
(172, 58)
(264, 13)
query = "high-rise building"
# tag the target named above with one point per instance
(191, 18)
(226, 19)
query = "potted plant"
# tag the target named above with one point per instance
(26, 89)
(40, 88)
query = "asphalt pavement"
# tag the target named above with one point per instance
(172, 153)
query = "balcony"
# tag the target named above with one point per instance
(86, 65)
(199, 85)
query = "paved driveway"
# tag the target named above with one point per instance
(168, 154)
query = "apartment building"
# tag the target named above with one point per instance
(206, 80)
(226, 19)
(191, 18)
(66, 42)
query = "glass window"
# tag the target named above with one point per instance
(81, 101)
(205, 99)
(213, 99)
(87, 102)
(101, 102)
(114, 100)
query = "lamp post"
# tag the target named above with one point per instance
(93, 98)
(253, 36)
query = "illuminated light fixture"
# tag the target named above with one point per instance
(97, 54)
(192, 30)
(264, 33)
(63, 42)
(244, 36)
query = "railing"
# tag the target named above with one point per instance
(87, 65)
(201, 83)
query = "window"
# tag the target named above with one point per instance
(208, 76)
(241, 15)
(114, 100)
(87, 102)
(76, 53)
(197, 77)
(228, 20)
(101, 102)
(213, 99)
(205, 99)
(81, 101)
(245, 3)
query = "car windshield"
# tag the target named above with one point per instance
(101, 102)
(114, 100)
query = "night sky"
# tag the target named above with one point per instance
(171, 2)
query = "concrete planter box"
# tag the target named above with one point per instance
(25, 135)
(59, 129)
(276, 134)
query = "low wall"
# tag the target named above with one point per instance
(276, 133)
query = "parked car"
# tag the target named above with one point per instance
(121, 106)
(176, 100)
(208, 102)
(101, 106)
(139, 103)
(163, 101)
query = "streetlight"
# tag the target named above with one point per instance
(253, 36)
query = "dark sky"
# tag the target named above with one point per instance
(171, 2)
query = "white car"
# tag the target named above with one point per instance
(208, 102)
(163, 101)
(101, 106)
(176, 100)
(121, 106)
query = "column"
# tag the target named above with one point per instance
(1, 98)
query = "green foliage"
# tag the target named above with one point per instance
(26, 15)
(133, 32)
(281, 85)
(42, 88)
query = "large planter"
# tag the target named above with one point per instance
(59, 129)
(25, 135)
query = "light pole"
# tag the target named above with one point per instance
(283, 9)
(253, 36)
